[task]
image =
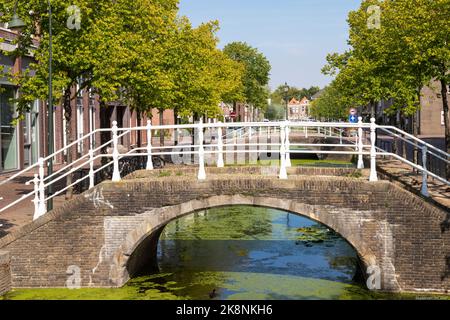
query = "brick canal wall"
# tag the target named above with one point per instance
(100, 232)
(5, 272)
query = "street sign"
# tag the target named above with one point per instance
(233, 115)
(353, 118)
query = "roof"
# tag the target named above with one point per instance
(317, 95)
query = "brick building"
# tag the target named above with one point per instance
(427, 124)
(298, 109)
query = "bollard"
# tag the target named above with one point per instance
(424, 189)
(149, 146)
(116, 173)
(220, 163)
(373, 152)
(360, 144)
(201, 153)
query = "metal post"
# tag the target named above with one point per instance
(340, 136)
(283, 172)
(373, 152)
(149, 145)
(42, 210)
(201, 152)
(249, 132)
(306, 132)
(36, 200)
(288, 146)
(116, 173)
(268, 133)
(424, 189)
(91, 169)
(360, 144)
(220, 163)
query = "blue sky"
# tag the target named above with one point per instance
(295, 35)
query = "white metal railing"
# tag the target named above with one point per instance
(272, 137)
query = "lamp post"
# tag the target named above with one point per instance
(18, 24)
(286, 91)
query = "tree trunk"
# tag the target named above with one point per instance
(68, 116)
(139, 123)
(395, 123)
(161, 132)
(372, 110)
(175, 121)
(446, 122)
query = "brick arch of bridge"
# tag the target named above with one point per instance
(100, 230)
(139, 250)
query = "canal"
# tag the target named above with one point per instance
(241, 252)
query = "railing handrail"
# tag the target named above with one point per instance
(446, 154)
(283, 128)
(412, 164)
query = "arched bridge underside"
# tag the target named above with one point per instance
(111, 232)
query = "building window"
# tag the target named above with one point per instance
(31, 135)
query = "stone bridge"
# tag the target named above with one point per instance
(111, 232)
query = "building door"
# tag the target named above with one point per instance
(31, 134)
(8, 132)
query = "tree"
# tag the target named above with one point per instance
(330, 105)
(72, 50)
(202, 74)
(278, 95)
(256, 74)
(396, 58)
(275, 112)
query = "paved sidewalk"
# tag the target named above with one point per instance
(21, 213)
(403, 174)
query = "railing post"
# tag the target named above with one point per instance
(283, 172)
(268, 133)
(424, 189)
(288, 146)
(149, 146)
(373, 152)
(42, 208)
(36, 200)
(116, 173)
(220, 163)
(249, 132)
(91, 169)
(201, 153)
(306, 132)
(340, 136)
(360, 144)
